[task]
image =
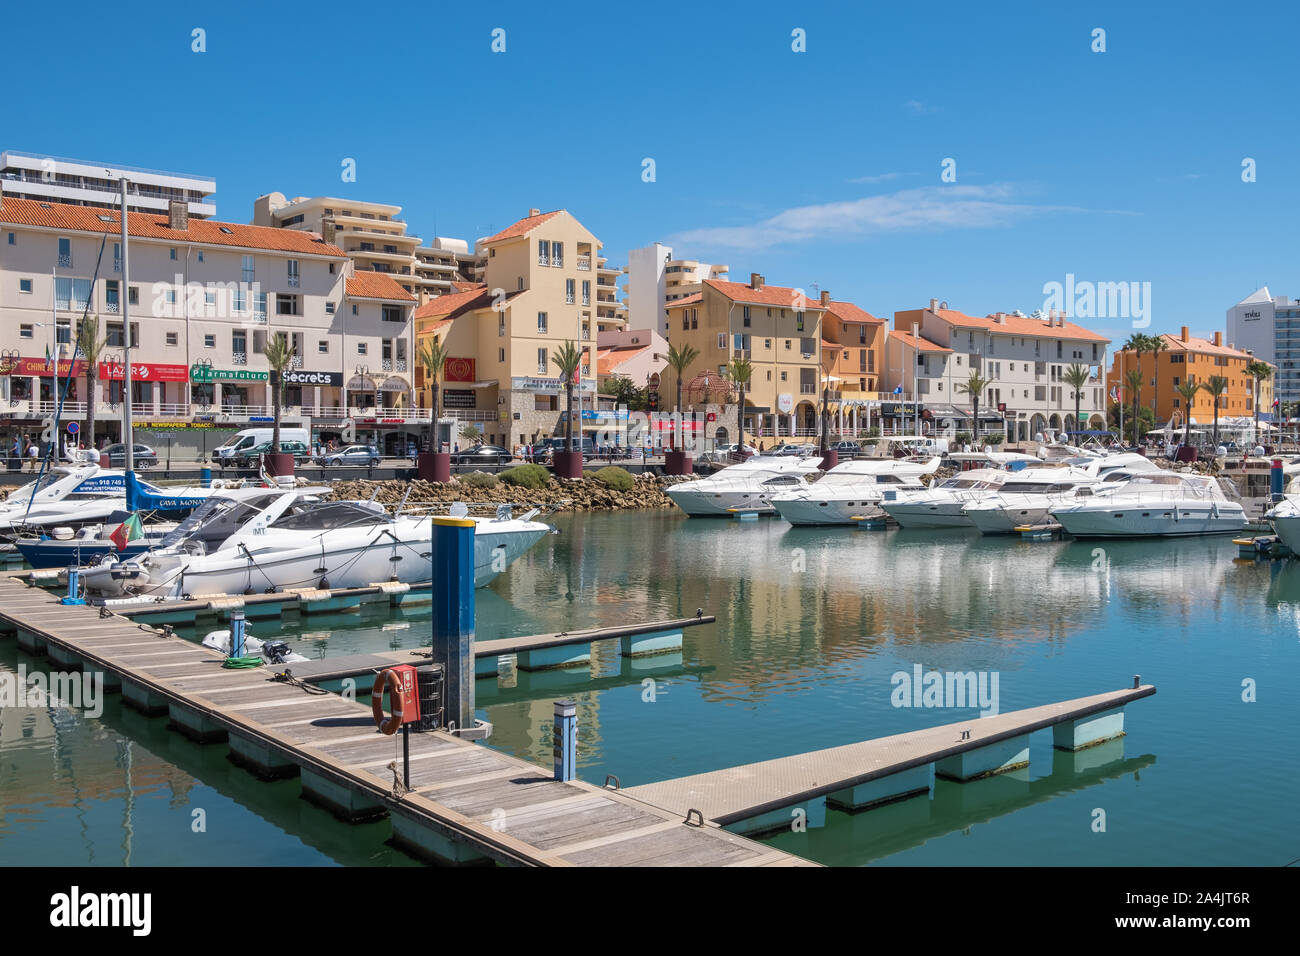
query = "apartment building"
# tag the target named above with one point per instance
(203, 296)
(655, 278)
(854, 344)
(539, 291)
(441, 266)
(1189, 358)
(1023, 358)
(611, 313)
(1269, 326)
(777, 328)
(83, 182)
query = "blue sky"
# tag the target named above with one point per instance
(821, 167)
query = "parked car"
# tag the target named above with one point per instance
(799, 451)
(549, 446)
(251, 457)
(483, 455)
(351, 455)
(847, 449)
(114, 456)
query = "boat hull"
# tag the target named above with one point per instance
(810, 512)
(928, 514)
(1155, 520)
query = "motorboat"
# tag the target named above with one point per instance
(262, 539)
(748, 486)
(63, 546)
(1027, 497)
(1156, 504)
(940, 505)
(852, 490)
(75, 495)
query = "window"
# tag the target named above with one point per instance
(541, 322)
(361, 348)
(323, 346)
(501, 324)
(722, 340)
(71, 295)
(783, 376)
(798, 321)
(65, 252)
(354, 309)
(173, 338)
(285, 304)
(200, 255)
(391, 313)
(767, 343)
(24, 285)
(586, 292)
(501, 355)
(169, 296)
(259, 306)
(787, 345)
(745, 317)
(25, 331)
(239, 302)
(210, 299)
(112, 296)
(13, 239)
(172, 253)
(210, 341)
(543, 252)
(294, 278)
(248, 272)
(722, 371)
(541, 361)
(329, 308)
(557, 254)
(569, 285)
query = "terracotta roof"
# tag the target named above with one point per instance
(454, 302)
(523, 227)
(368, 284)
(1194, 344)
(608, 359)
(848, 312)
(464, 286)
(773, 295)
(925, 345)
(1019, 325)
(693, 299)
(150, 225)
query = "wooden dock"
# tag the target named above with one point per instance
(467, 803)
(886, 769)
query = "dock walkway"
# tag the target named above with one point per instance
(754, 790)
(467, 802)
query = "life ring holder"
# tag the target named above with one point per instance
(387, 723)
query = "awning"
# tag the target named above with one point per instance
(394, 383)
(360, 383)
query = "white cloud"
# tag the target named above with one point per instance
(916, 106)
(879, 178)
(925, 208)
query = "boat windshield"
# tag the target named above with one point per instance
(328, 516)
(212, 522)
(26, 492)
(952, 483)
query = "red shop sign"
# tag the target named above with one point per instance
(145, 372)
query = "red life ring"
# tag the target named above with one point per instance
(387, 724)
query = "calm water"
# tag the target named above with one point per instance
(812, 624)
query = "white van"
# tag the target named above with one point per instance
(244, 439)
(922, 444)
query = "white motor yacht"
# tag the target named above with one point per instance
(1026, 497)
(748, 486)
(940, 506)
(851, 490)
(75, 495)
(1156, 504)
(252, 540)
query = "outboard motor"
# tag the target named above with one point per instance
(276, 652)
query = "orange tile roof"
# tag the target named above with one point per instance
(523, 227)
(925, 345)
(464, 286)
(150, 225)
(848, 312)
(773, 295)
(368, 284)
(1019, 325)
(1195, 344)
(693, 299)
(452, 303)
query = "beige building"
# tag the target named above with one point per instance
(540, 290)
(655, 278)
(777, 328)
(203, 297)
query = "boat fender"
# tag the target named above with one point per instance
(387, 724)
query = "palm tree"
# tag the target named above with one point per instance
(1216, 386)
(1157, 344)
(1135, 379)
(974, 387)
(279, 356)
(1258, 371)
(740, 371)
(433, 356)
(1188, 390)
(1076, 376)
(567, 358)
(90, 343)
(680, 358)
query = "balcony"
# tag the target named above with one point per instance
(584, 263)
(295, 280)
(557, 262)
(239, 358)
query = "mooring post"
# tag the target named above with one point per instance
(565, 736)
(74, 586)
(237, 632)
(453, 615)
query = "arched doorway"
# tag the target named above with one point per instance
(806, 417)
(1038, 425)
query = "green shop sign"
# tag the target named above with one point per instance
(206, 373)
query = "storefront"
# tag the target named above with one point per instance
(227, 388)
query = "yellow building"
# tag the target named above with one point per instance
(540, 290)
(778, 329)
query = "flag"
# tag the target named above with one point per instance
(128, 530)
(1114, 394)
(48, 358)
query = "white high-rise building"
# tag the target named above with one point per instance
(82, 182)
(1269, 327)
(655, 278)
